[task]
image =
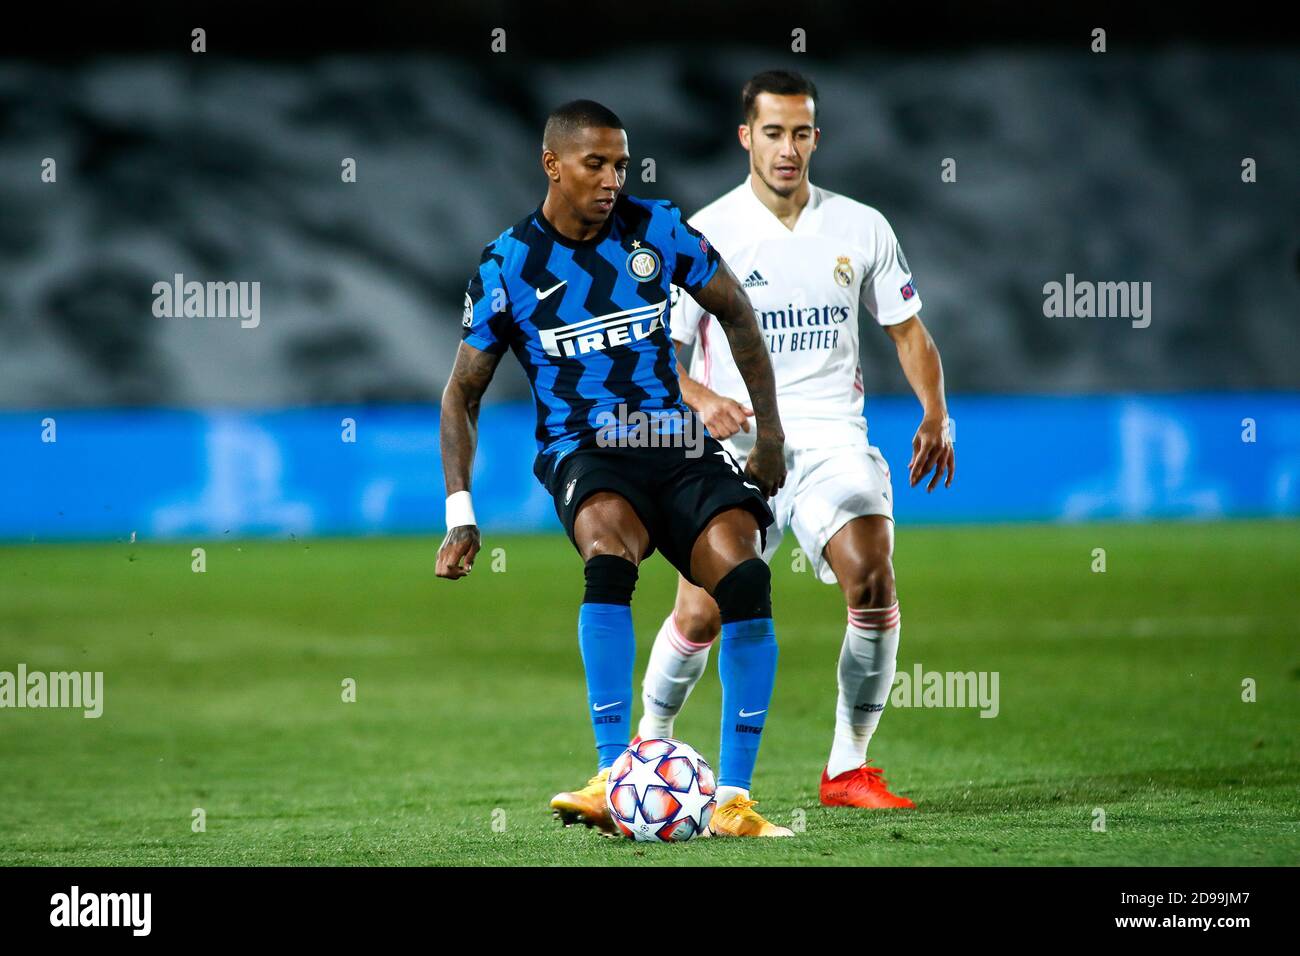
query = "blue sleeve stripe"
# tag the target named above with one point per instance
(710, 268)
(483, 343)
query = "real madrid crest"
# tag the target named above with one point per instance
(844, 271)
(642, 263)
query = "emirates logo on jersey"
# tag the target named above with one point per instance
(603, 332)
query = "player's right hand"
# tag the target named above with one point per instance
(765, 465)
(723, 416)
(461, 544)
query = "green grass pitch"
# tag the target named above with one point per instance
(1119, 691)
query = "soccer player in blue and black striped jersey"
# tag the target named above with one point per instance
(579, 291)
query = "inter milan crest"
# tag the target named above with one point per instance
(642, 263)
(844, 271)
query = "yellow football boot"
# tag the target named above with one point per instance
(586, 806)
(738, 818)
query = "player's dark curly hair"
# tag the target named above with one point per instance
(568, 118)
(780, 82)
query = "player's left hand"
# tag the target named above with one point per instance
(722, 416)
(932, 448)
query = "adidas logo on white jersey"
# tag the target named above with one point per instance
(754, 280)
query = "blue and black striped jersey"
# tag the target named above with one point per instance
(588, 320)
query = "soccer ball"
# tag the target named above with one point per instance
(661, 791)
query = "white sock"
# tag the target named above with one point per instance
(675, 667)
(726, 793)
(867, 662)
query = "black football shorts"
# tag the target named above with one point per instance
(675, 495)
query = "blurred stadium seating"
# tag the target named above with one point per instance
(1119, 168)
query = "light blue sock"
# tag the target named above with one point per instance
(608, 648)
(747, 665)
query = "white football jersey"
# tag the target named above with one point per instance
(805, 285)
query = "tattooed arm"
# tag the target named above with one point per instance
(461, 399)
(725, 299)
(721, 415)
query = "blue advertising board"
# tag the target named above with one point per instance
(165, 474)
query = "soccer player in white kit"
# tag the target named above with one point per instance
(808, 258)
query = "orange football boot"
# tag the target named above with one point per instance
(861, 787)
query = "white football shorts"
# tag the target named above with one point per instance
(826, 487)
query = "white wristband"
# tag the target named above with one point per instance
(460, 510)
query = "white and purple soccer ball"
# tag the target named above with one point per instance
(661, 791)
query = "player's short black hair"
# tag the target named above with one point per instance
(780, 82)
(568, 118)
